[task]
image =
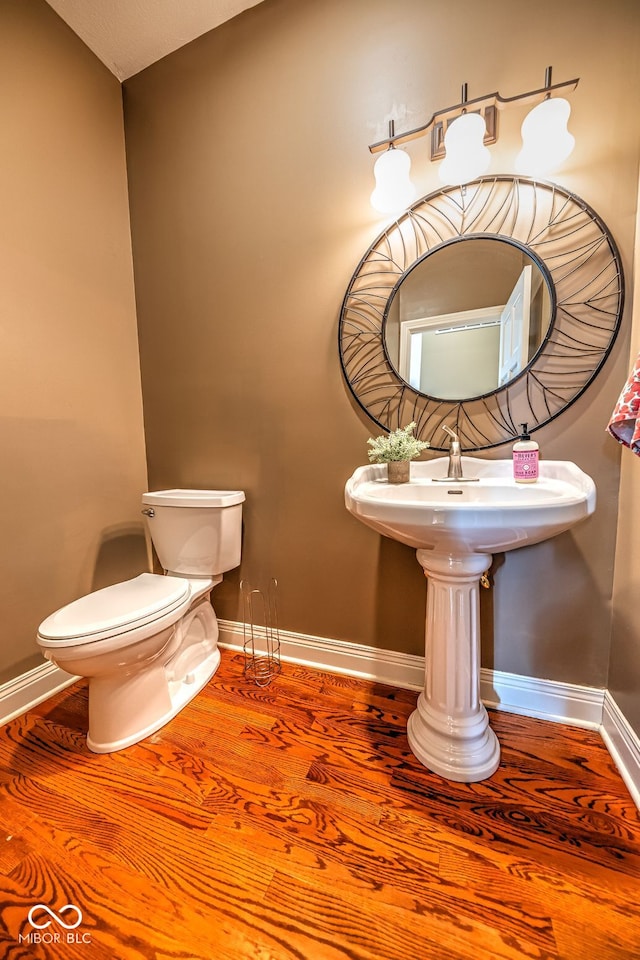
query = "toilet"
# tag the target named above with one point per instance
(150, 644)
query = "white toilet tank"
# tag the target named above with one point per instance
(196, 533)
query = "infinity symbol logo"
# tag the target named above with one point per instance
(55, 916)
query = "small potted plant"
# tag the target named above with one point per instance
(396, 450)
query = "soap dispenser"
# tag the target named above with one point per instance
(525, 458)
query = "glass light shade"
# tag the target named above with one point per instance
(546, 142)
(394, 189)
(466, 156)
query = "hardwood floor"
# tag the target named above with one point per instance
(294, 822)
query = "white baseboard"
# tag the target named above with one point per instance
(26, 691)
(623, 744)
(543, 699)
(337, 656)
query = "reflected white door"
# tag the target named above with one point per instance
(514, 329)
(415, 362)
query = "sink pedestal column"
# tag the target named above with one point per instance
(449, 730)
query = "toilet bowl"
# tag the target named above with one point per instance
(148, 645)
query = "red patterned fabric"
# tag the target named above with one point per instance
(625, 419)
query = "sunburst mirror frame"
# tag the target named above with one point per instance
(582, 265)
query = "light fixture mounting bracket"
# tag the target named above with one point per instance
(489, 114)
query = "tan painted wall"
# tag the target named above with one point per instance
(250, 182)
(624, 673)
(70, 402)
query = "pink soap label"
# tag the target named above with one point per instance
(525, 464)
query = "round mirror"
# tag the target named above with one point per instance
(467, 249)
(468, 318)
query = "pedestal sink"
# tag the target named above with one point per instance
(455, 527)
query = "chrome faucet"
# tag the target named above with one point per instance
(455, 462)
(454, 471)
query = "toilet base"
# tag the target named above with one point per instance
(176, 695)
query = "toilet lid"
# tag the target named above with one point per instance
(193, 498)
(115, 609)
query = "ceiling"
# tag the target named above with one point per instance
(128, 35)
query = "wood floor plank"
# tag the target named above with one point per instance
(408, 878)
(574, 903)
(293, 822)
(586, 819)
(333, 835)
(244, 765)
(66, 871)
(69, 706)
(521, 823)
(316, 742)
(161, 850)
(50, 759)
(382, 930)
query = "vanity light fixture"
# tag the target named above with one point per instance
(394, 190)
(546, 141)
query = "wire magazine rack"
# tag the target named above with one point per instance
(261, 637)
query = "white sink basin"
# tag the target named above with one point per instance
(489, 515)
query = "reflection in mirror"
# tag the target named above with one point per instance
(468, 318)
